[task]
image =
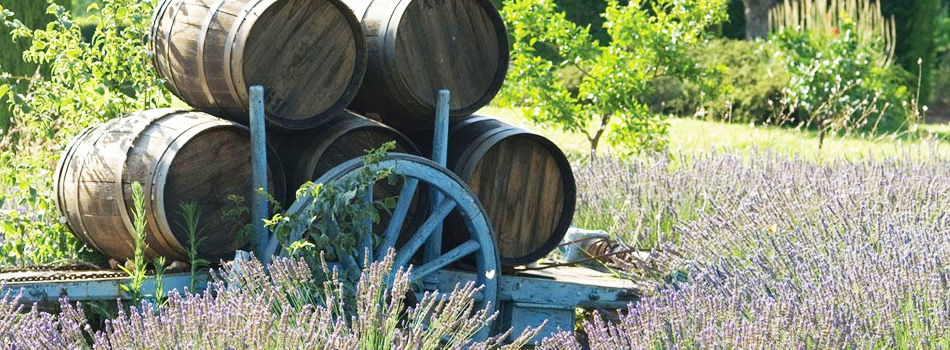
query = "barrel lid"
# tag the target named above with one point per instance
(459, 45)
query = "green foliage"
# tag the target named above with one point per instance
(838, 56)
(917, 26)
(647, 41)
(825, 20)
(751, 79)
(87, 82)
(734, 28)
(136, 272)
(159, 264)
(335, 219)
(33, 15)
(191, 214)
(32, 229)
(941, 76)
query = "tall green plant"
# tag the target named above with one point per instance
(136, 271)
(191, 213)
(159, 264)
(648, 40)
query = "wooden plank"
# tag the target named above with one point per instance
(518, 316)
(106, 289)
(581, 288)
(440, 147)
(259, 211)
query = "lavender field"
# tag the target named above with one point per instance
(778, 252)
(782, 253)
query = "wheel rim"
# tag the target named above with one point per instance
(457, 197)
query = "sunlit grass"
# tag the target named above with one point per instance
(688, 135)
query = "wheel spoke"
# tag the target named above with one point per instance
(399, 216)
(453, 255)
(351, 267)
(369, 199)
(420, 237)
(366, 247)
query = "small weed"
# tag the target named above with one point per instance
(191, 213)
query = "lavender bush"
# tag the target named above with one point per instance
(784, 253)
(288, 308)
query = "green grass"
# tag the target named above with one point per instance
(687, 135)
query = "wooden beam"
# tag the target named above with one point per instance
(104, 289)
(608, 293)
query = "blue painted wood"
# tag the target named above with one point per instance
(519, 316)
(444, 260)
(108, 289)
(391, 235)
(259, 175)
(366, 246)
(351, 268)
(425, 231)
(605, 293)
(440, 150)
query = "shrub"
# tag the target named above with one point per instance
(838, 56)
(750, 75)
(755, 79)
(941, 74)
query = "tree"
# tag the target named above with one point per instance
(916, 30)
(757, 17)
(33, 15)
(87, 82)
(648, 40)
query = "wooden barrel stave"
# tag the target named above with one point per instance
(308, 54)
(153, 148)
(522, 179)
(405, 37)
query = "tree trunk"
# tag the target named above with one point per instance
(757, 17)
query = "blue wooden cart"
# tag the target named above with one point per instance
(522, 297)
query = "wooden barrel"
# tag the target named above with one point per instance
(178, 157)
(524, 182)
(417, 47)
(309, 154)
(310, 56)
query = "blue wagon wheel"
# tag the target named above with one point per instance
(457, 197)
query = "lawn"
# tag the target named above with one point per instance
(688, 135)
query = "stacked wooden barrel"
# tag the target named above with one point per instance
(178, 157)
(383, 60)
